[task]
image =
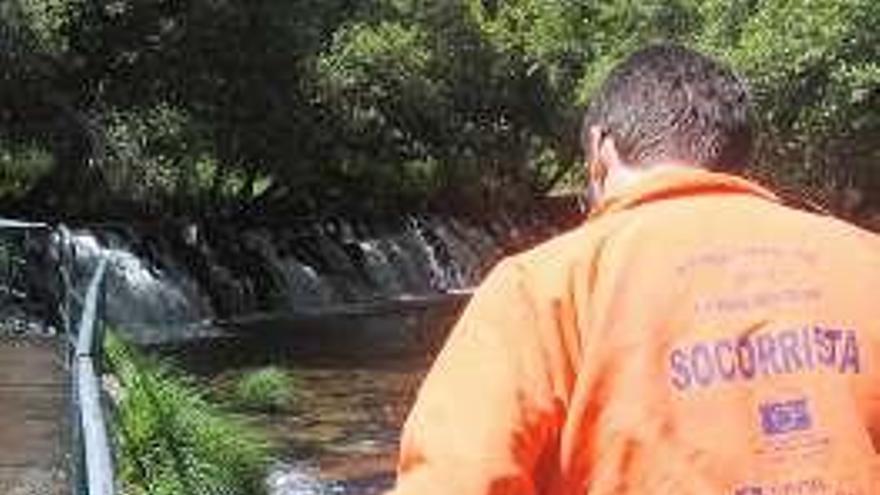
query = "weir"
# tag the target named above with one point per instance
(187, 282)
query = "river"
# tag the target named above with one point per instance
(351, 395)
(343, 432)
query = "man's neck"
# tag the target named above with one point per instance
(624, 177)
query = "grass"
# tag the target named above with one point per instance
(266, 390)
(172, 440)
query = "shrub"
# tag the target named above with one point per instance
(266, 389)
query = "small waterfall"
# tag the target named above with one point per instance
(445, 272)
(147, 297)
(412, 267)
(172, 284)
(301, 282)
(383, 273)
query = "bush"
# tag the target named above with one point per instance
(267, 389)
(172, 441)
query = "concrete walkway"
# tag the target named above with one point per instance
(33, 417)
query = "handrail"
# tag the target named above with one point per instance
(98, 459)
(86, 329)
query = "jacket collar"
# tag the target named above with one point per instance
(675, 183)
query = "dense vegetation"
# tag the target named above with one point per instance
(247, 107)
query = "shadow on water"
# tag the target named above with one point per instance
(355, 378)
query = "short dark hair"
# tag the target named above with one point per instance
(668, 102)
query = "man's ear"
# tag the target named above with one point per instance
(594, 144)
(597, 168)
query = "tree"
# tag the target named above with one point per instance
(326, 107)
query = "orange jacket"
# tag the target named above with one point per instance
(693, 337)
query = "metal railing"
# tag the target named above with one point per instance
(96, 473)
(37, 290)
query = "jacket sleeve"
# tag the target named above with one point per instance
(484, 415)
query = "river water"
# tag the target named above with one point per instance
(352, 391)
(342, 435)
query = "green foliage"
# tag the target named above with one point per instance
(47, 19)
(388, 51)
(313, 106)
(172, 440)
(618, 28)
(21, 166)
(814, 71)
(267, 389)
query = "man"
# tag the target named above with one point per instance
(694, 336)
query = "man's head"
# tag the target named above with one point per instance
(667, 104)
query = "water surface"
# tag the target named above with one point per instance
(340, 434)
